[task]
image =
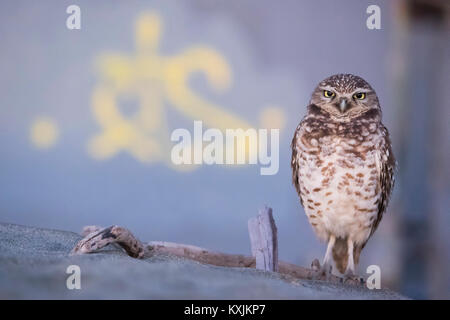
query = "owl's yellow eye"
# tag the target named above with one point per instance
(328, 94)
(359, 95)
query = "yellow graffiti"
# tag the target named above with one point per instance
(44, 133)
(154, 81)
(272, 117)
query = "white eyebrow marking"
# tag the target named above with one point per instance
(329, 88)
(361, 90)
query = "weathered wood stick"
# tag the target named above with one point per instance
(98, 238)
(263, 239)
(206, 256)
(227, 260)
(200, 254)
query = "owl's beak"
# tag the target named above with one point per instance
(343, 105)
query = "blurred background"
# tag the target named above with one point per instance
(86, 117)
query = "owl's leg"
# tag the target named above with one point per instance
(324, 271)
(350, 270)
(326, 265)
(350, 275)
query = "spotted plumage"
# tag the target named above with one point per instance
(343, 167)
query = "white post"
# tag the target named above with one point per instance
(263, 239)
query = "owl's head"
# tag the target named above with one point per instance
(345, 96)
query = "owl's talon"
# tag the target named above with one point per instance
(315, 265)
(328, 272)
(320, 272)
(351, 278)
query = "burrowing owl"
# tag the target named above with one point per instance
(343, 167)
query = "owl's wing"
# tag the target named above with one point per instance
(294, 162)
(385, 163)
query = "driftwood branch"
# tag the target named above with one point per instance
(206, 256)
(263, 235)
(200, 254)
(98, 238)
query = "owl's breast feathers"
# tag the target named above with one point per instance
(343, 172)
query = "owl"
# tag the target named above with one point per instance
(343, 168)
